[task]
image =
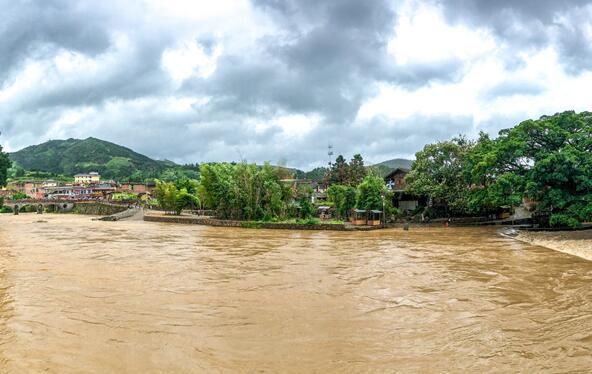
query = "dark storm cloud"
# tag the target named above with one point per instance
(318, 58)
(530, 24)
(37, 29)
(325, 59)
(40, 31)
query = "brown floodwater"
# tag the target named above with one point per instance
(81, 296)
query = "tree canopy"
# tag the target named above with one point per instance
(245, 191)
(548, 160)
(174, 197)
(347, 174)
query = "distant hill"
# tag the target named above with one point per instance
(112, 161)
(71, 156)
(385, 167)
(382, 169)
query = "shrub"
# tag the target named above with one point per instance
(251, 225)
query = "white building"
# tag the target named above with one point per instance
(90, 178)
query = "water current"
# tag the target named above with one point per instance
(81, 296)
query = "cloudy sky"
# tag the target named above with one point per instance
(278, 80)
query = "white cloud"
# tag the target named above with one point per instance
(189, 60)
(132, 86)
(423, 36)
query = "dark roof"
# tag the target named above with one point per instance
(397, 170)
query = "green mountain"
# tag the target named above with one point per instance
(57, 158)
(112, 161)
(385, 167)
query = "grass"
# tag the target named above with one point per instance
(291, 221)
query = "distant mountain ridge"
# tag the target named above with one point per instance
(72, 156)
(396, 163)
(385, 167)
(112, 161)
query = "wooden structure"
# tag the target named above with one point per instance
(359, 217)
(374, 218)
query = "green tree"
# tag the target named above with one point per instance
(370, 193)
(550, 161)
(172, 199)
(339, 173)
(492, 180)
(5, 164)
(316, 174)
(357, 171)
(303, 197)
(243, 191)
(439, 172)
(343, 198)
(19, 196)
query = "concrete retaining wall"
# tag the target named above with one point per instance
(207, 221)
(98, 209)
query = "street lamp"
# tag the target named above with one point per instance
(383, 214)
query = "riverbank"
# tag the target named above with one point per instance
(576, 243)
(153, 216)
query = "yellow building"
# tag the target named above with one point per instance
(90, 178)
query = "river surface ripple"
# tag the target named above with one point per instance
(95, 297)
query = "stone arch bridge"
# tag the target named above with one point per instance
(41, 205)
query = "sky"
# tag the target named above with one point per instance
(280, 80)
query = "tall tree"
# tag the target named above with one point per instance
(357, 171)
(548, 160)
(5, 164)
(439, 172)
(370, 193)
(339, 173)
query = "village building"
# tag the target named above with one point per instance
(395, 182)
(33, 189)
(137, 188)
(90, 178)
(49, 183)
(319, 192)
(59, 193)
(100, 191)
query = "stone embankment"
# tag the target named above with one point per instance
(209, 221)
(98, 208)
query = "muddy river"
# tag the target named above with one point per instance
(80, 296)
